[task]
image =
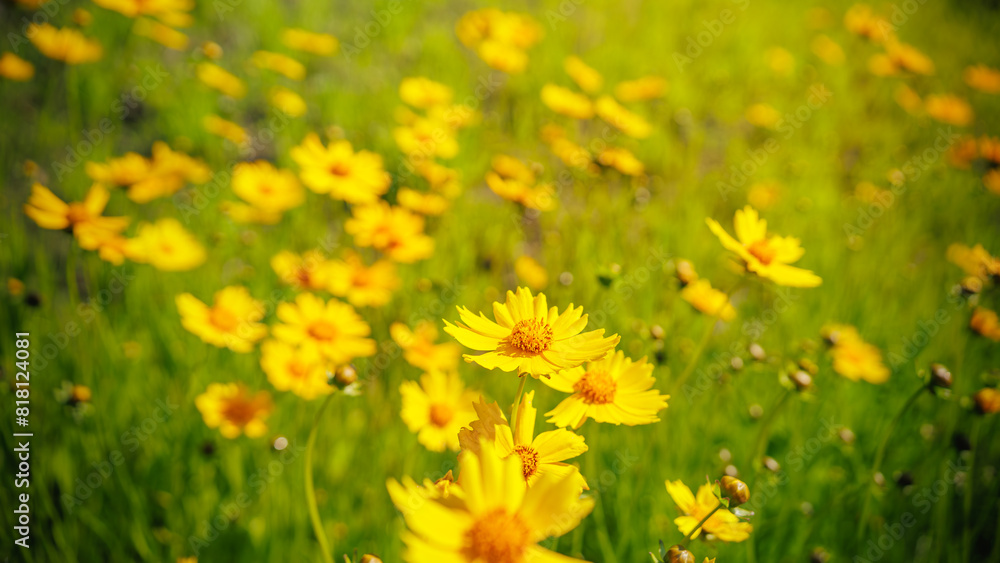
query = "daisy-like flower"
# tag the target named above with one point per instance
(394, 231)
(307, 41)
(986, 323)
(495, 517)
(975, 261)
(311, 270)
(614, 114)
(167, 246)
(641, 89)
(232, 409)
(424, 203)
(332, 327)
(218, 78)
(612, 389)
(290, 103)
(281, 64)
(512, 180)
(66, 44)
(768, 257)
(361, 285)
(436, 409)
(585, 76)
(265, 187)
(530, 272)
(542, 454)
(949, 109)
(299, 370)
(224, 128)
(162, 34)
(854, 358)
(983, 78)
(13, 67)
(84, 218)
(499, 38)
(567, 102)
(724, 525)
(529, 337)
(231, 322)
(702, 296)
(166, 172)
(420, 349)
(354, 177)
(424, 93)
(424, 137)
(171, 12)
(621, 160)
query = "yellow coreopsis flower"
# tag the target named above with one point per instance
(13, 67)
(907, 57)
(282, 64)
(567, 102)
(621, 160)
(529, 337)
(494, 518)
(768, 257)
(983, 78)
(231, 322)
(162, 34)
(763, 115)
(624, 120)
(84, 218)
(299, 370)
(224, 128)
(354, 177)
(828, 50)
(262, 185)
(424, 93)
(611, 389)
(290, 103)
(233, 410)
(332, 327)
(854, 358)
(975, 261)
(167, 246)
(986, 323)
(171, 12)
(420, 348)
(542, 454)
(862, 21)
(311, 270)
(299, 39)
(443, 180)
(702, 296)
(641, 89)
(436, 409)
(395, 231)
(216, 77)
(243, 213)
(588, 79)
(67, 45)
(499, 38)
(166, 172)
(724, 525)
(425, 137)
(530, 272)
(949, 109)
(421, 202)
(361, 285)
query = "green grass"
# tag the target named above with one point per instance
(184, 477)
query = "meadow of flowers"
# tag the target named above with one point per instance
(543, 281)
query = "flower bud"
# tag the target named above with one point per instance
(677, 554)
(987, 400)
(685, 272)
(343, 376)
(940, 376)
(736, 490)
(369, 558)
(802, 380)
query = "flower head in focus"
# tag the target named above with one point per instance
(724, 525)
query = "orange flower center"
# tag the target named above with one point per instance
(297, 369)
(239, 411)
(762, 251)
(531, 335)
(340, 169)
(223, 319)
(497, 537)
(77, 213)
(302, 275)
(322, 330)
(597, 387)
(529, 460)
(441, 415)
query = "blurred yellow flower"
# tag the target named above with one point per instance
(171, 12)
(15, 286)
(906, 57)
(768, 257)
(986, 323)
(567, 102)
(299, 370)
(724, 525)
(424, 137)
(162, 34)
(588, 79)
(82, 17)
(992, 181)
(243, 213)
(436, 409)
(909, 100)
(421, 202)
(983, 78)
(311, 270)
(861, 20)
(233, 410)
(361, 285)
(265, 187)
(499, 38)
(828, 50)
(354, 177)
(332, 327)
(512, 180)
(420, 350)
(622, 160)
(287, 101)
(529, 337)
(975, 261)
(987, 400)
(310, 42)
(67, 45)
(702, 296)
(763, 115)
(231, 322)
(424, 93)
(949, 109)
(212, 50)
(13, 67)
(764, 194)
(282, 64)
(166, 172)
(166, 246)
(396, 232)
(530, 272)
(218, 78)
(84, 218)
(780, 60)
(224, 128)
(496, 518)
(641, 89)
(611, 389)
(627, 122)
(443, 180)
(854, 358)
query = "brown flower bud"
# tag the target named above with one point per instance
(987, 400)
(678, 554)
(685, 272)
(736, 490)
(657, 332)
(802, 380)
(343, 376)
(757, 352)
(940, 376)
(369, 558)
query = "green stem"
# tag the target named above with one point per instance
(71, 284)
(761, 443)
(705, 337)
(317, 522)
(973, 444)
(880, 456)
(690, 535)
(514, 419)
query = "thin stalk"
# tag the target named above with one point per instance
(690, 535)
(705, 337)
(317, 522)
(761, 442)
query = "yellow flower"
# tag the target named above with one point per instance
(332, 327)
(248, 214)
(909, 100)
(231, 322)
(396, 232)
(496, 518)
(764, 194)
(224, 128)
(854, 358)
(702, 296)
(531, 272)
(422, 203)
(986, 323)
(216, 77)
(171, 12)
(908, 58)
(860, 20)
(16, 287)
(282, 64)
(212, 50)
(621, 160)
(67, 45)
(354, 177)
(303, 40)
(983, 78)
(763, 115)
(84, 218)
(262, 185)
(441, 179)
(13, 67)
(588, 79)
(768, 257)
(363, 286)
(420, 350)
(781, 62)
(512, 180)
(828, 50)
(949, 109)
(529, 337)
(167, 246)
(424, 93)
(162, 34)
(499, 38)
(627, 122)
(566, 102)
(641, 89)
(299, 370)
(612, 389)
(424, 137)
(437, 408)
(987, 400)
(724, 525)
(233, 410)
(290, 103)
(976, 261)
(992, 181)
(308, 271)
(543, 454)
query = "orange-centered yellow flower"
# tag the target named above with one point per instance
(702, 296)
(854, 358)
(233, 410)
(437, 408)
(361, 285)
(768, 257)
(612, 389)
(394, 231)
(332, 327)
(167, 246)
(84, 218)
(311, 270)
(265, 187)
(724, 525)
(354, 177)
(231, 322)
(529, 337)
(66, 44)
(301, 370)
(420, 350)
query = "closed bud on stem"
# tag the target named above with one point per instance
(987, 400)
(802, 380)
(678, 554)
(736, 490)
(343, 376)
(369, 558)
(940, 376)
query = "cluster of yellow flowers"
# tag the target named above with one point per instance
(501, 39)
